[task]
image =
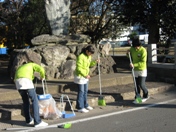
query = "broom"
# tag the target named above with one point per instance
(101, 101)
(138, 97)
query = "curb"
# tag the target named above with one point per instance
(60, 86)
(152, 91)
(9, 114)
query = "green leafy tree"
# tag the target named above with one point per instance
(168, 21)
(151, 14)
(95, 18)
(24, 19)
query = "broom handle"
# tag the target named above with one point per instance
(133, 74)
(99, 74)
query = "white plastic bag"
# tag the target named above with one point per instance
(48, 109)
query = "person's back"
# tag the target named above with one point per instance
(27, 71)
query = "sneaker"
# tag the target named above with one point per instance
(83, 110)
(145, 99)
(136, 102)
(42, 124)
(31, 122)
(89, 108)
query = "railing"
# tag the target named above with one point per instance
(153, 57)
(120, 51)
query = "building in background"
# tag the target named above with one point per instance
(124, 39)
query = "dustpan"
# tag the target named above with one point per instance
(137, 95)
(44, 96)
(64, 114)
(101, 100)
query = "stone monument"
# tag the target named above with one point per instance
(58, 14)
(57, 53)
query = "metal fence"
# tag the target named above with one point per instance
(158, 57)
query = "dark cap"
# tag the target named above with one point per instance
(136, 42)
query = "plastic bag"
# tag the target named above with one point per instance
(48, 109)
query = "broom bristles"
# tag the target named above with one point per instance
(138, 100)
(101, 102)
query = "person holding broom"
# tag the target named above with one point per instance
(81, 78)
(24, 76)
(139, 64)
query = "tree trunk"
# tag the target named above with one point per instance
(154, 20)
(153, 33)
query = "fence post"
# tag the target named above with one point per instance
(174, 56)
(152, 52)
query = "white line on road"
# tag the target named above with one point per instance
(92, 118)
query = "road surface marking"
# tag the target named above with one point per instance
(29, 129)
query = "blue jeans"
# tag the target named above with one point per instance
(140, 82)
(26, 95)
(82, 96)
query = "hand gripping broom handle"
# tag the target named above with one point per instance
(99, 74)
(133, 75)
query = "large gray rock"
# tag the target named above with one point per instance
(22, 56)
(68, 69)
(54, 55)
(105, 48)
(59, 61)
(46, 39)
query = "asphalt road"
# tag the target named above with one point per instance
(155, 115)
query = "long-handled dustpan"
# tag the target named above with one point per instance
(137, 95)
(101, 100)
(64, 114)
(44, 96)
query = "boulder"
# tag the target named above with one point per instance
(59, 60)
